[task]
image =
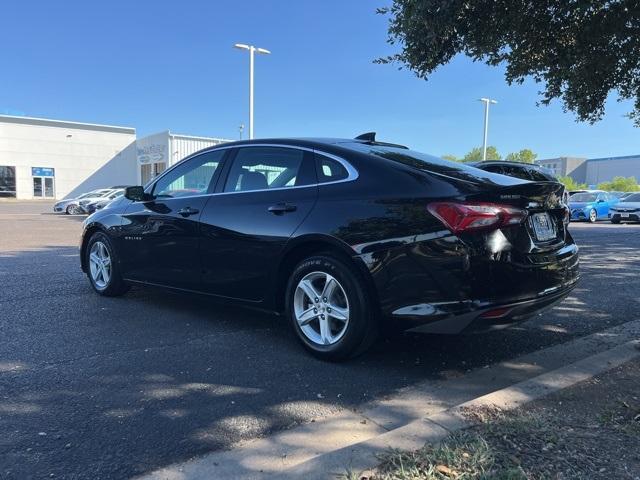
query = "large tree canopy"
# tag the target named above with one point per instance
(580, 50)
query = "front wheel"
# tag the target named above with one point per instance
(615, 220)
(330, 309)
(593, 216)
(102, 267)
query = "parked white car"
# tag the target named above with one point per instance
(71, 206)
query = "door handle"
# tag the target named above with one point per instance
(187, 211)
(280, 208)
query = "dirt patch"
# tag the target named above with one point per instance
(588, 431)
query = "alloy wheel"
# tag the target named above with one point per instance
(593, 216)
(100, 265)
(321, 308)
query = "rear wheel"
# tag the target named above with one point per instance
(593, 215)
(102, 267)
(330, 309)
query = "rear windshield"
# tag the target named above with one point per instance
(584, 197)
(632, 198)
(433, 164)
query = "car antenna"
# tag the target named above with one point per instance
(367, 137)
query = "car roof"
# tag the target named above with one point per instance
(308, 142)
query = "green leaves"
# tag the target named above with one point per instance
(579, 50)
(620, 184)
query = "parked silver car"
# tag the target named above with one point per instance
(626, 210)
(71, 206)
(94, 205)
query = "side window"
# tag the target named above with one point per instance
(191, 178)
(330, 170)
(262, 168)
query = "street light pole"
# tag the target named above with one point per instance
(486, 102)
(252, 50)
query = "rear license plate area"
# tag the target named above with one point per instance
(544, 228)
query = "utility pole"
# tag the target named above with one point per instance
(486, 102)
(252, 50)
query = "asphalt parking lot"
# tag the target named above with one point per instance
(95, 387)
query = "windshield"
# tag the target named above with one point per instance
(632, 198)
(432, 164)
(584, 197)
(87, 195)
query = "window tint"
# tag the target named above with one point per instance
(262, 168)
(330, 170)
(190, 178)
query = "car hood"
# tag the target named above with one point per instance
(627, 205)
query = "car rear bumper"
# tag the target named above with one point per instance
(475, 317)
(445, 287)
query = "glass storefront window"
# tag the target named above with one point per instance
(7, 182)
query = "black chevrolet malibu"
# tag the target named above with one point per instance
(340, 236)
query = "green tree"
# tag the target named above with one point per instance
(525, 155)
(620, 184)
(571, 184)
(450, 157)
(475, 154)
(581, 51)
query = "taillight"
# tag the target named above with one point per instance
(462, 217)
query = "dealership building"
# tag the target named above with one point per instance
(593, 171)
(53, 159)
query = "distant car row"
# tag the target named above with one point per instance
(584, 205)
(89, 202)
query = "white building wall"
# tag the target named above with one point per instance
(184, 145)
(84, 156)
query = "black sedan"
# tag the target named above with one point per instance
(340, 236)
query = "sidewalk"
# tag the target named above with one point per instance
(590, 430)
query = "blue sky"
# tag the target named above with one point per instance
(170, 65)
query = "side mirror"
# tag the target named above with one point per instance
(135, 193)
(600, 200)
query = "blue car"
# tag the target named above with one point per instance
(591, 206)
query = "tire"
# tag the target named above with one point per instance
(338, 340)
(72, 210)
(106, 281)
(615, 220)
(593, 216)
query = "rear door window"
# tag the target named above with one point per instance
(266, 168)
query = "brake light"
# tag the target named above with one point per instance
(462, 217)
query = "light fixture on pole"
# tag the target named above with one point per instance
(252, 50)
(486, 102)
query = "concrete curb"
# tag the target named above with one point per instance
(434, 428)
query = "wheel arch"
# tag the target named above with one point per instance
(86, 236)
(303, 247)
